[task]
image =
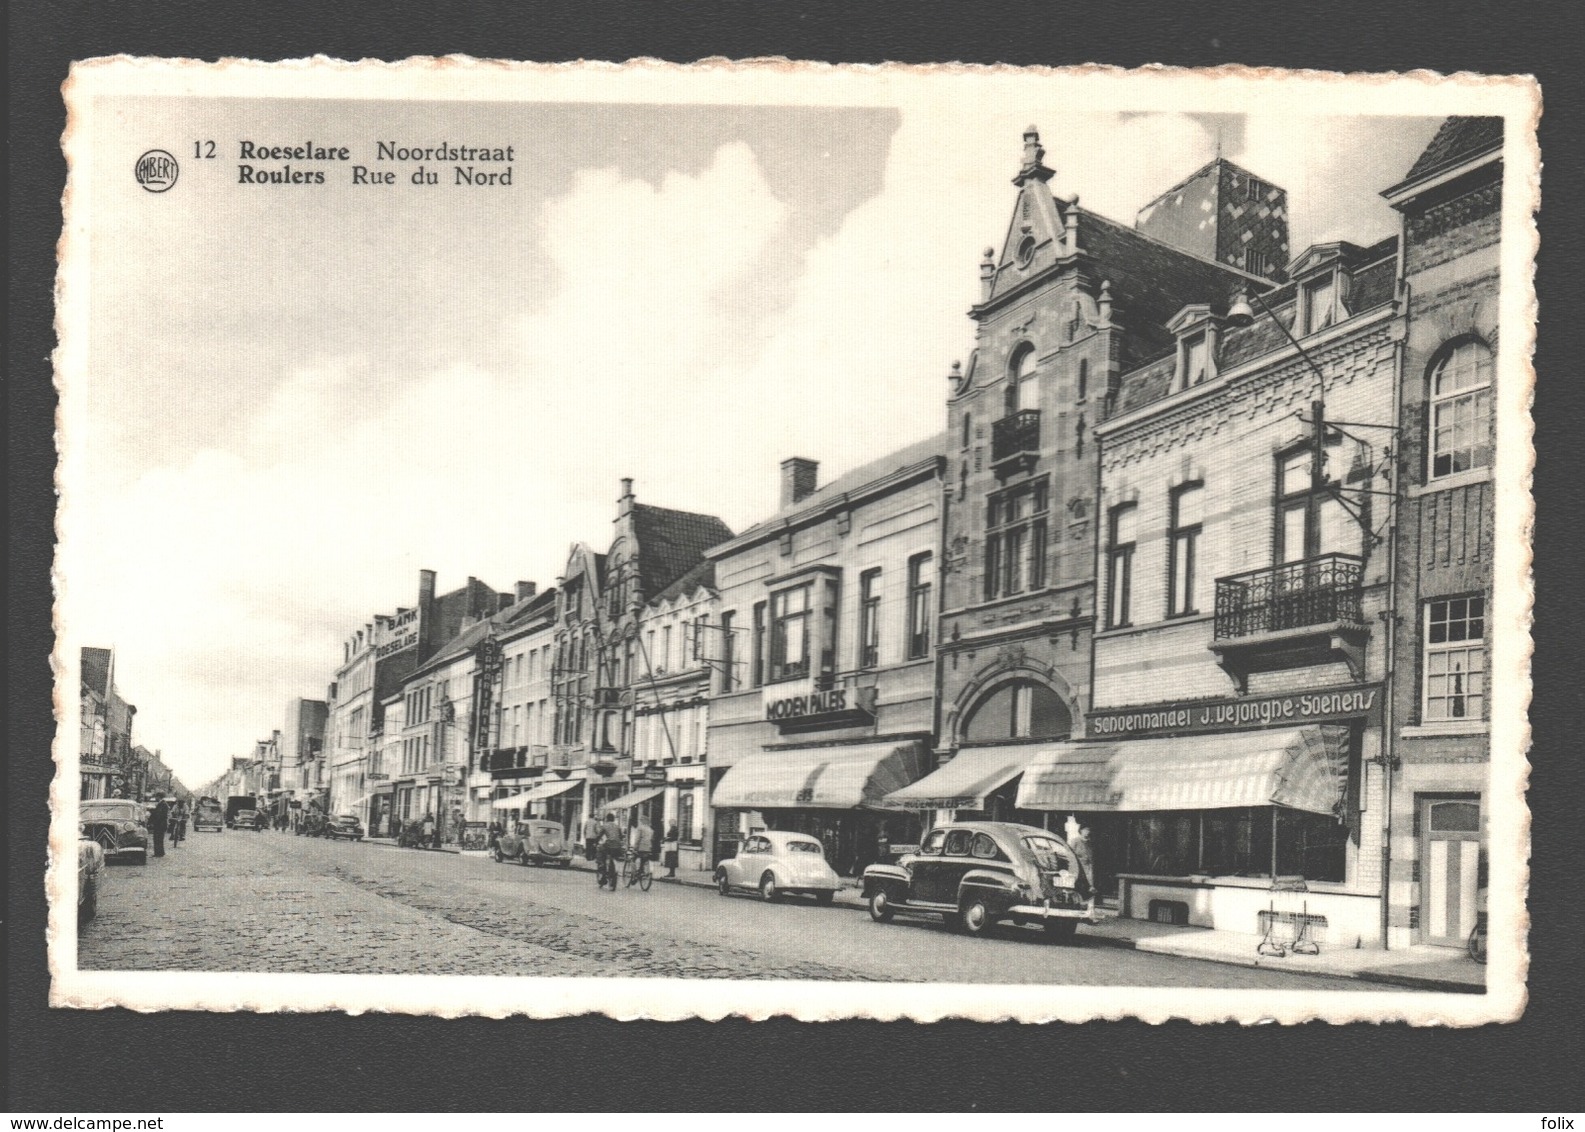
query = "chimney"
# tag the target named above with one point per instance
(525, 589)
(426, 611)
(799, 478)
(624, 503)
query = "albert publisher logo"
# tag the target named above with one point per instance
(156, 170)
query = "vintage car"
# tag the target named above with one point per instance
(90, 863)
(974, 874)
(775, 863)
(249, 819)
(344, 825)
(119, 826)
(207, 814)
(534, 843)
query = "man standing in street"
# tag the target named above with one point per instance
(158, 818)
(1086, 859)
(429, 831)
(178, 823)
(591, 837)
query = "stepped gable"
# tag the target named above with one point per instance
(701, 575)
(1459, 139)
(671, 543)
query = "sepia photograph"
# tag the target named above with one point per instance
(766, 539)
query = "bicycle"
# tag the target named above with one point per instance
(605, 870)
(636, 870)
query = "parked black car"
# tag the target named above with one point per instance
(974, 874)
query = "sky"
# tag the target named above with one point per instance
(296, 397)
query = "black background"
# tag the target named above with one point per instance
(119, 1061)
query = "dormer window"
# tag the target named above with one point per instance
(1195, 360)
(1196, 331)
(1319, 303)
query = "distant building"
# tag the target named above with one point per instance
(1225, 213)
(518, 763)
(105, 749)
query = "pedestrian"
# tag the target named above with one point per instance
(159, 817)
(429, 831)
(179, 823)
(608, 846)
(669, 848)
(883, 847)
(591, 837)
(1086, 859)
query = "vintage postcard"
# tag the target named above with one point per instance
(770, 539)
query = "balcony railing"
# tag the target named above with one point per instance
(1015, 435)
(1324, 590)
(608, 698)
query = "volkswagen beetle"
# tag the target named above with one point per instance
(118, 825)
(974, 874)
(534, 842)
(775, 863)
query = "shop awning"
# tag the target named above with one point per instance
(963, 783)
(1301, 768)
(537, 794)
(635, 798)
(824, 778)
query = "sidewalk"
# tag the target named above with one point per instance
(1416, 968)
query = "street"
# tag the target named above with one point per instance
(245, 901)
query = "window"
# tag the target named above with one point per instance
(1196, 361)
(685, 830)
(1183, 549)
(1022, 389)
(984, 847)
(1255, 262)
(1015, 541)
(1120, 565)
(1310, 519)
(931, 846)
(789, 633)
(1021, 709)
(921, 577)
(728, 653)
(1460, 421)
(1455, 659)
(1084, 380)
(665, 649)
(968, 426)
(1320, 303)
(757, 662)
(869, 618)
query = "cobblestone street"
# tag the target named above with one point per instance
(243, 901)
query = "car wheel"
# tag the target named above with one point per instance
(975, 918)
(722, 884)
(496, 852)
(825, 896)
(767, 889)
(524, 859)
(1061, 931)
(881, 909)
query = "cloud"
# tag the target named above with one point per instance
(228, 582)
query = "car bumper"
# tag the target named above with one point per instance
(1057, 912)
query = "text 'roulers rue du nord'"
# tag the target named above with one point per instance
(469, 165)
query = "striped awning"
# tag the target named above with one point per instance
(1302, 768)
(537, 794)
(819, 778)
(963, 783)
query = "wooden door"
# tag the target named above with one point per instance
(1449, 868)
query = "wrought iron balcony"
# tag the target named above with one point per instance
(1315, 591)
(1015, 440)
(608, 698)
(1286, 616)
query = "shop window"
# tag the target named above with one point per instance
(1187, 507)
(921, 582)
(1016, 539)
(869, 618)
(1247, 841)
(1021, 709)
(1455, 660)
(1460, 413)
(1120, 565)
(685, 829)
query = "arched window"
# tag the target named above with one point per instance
(1020, 709)
(1459, 418)
(1022, 389)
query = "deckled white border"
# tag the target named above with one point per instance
(781, 82)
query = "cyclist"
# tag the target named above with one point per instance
(639, 839)
(608, 850)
